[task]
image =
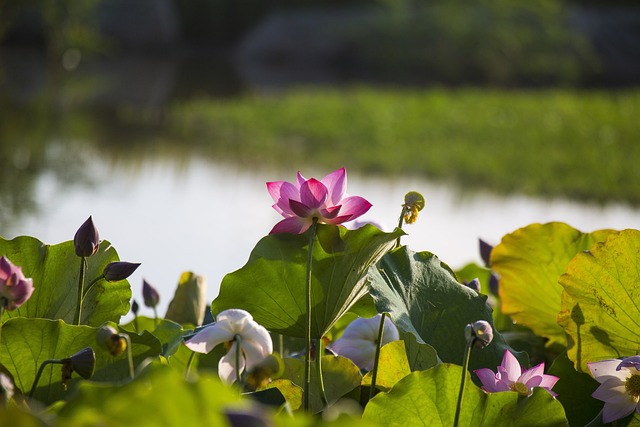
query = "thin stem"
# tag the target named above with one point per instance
(135, 322)
(188, 369)
(319, 353)
(376, 360)
(35, 381)
(238, 340)
(129, 354)
(467, 355)
(93, 282)
(307, 353)
(281, 344)
(155, 313)
(400, 221)
(83, 268)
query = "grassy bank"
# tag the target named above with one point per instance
(582, 145)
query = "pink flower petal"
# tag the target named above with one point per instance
(300, 180)
(208, 338)
(355, 206)
(300, 209)
(330, 212)
(227, 365)
(313, 193)
(336, 183)
(612, 391)
(615, 411)
(529, 374)
(294, 224)
(488, 379)
(281, 192)
(548, 381)
(511, 367)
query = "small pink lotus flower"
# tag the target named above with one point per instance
(510, 377)
(306, 199)
(619, 386)
(15, 288)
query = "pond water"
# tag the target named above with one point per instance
(206, 217)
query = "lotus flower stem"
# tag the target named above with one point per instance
(465, 364)
(281, 344)
(39, 374)
(188, 368)
(83, 268)
(307, 354)
(129, 354)
(155, 316)
(238, 341)
(319, 354)
(400, 222)
(376, 360)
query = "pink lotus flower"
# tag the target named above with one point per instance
(15, 288)
(306, 199)
(619, 386)
(510, 377)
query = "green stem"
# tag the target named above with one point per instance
(319, 353)
(93, 282)
(129, 354)
(78, 314)
(186, 372)
(281, 344)
(307, 353)
(467, 355)
(155, 313)
(135, 322)
(400, 221)
(376, 360)
(35, 381)
(238, 341)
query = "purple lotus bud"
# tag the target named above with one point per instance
(480, 332)
(485, 252)
(630, 362)
(474, 284)
(494, 283)
(135, 307)
(150, 294)
(86, 240)
(119, 270)
(15, 288)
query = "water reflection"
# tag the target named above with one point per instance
(206, 217)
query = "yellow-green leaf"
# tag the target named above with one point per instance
(600, 309)
(530, 261)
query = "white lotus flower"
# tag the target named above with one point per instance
(232, 327)
(619, 386)
(359, 339)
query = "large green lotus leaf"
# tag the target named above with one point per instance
(423, 297)
(271, 286)
(392, 367)
(160, 397)
(340, 376)
(574, 392)
(166, 331)
(530, 261)
(600, 300)
(26, 343)
(428, 398)
(55, 270)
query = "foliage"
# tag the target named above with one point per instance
(573, 291)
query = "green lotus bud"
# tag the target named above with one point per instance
(86, 240)
(119, 270)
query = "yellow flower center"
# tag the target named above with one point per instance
(632, 386)
(520, 388)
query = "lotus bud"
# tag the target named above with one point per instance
(83, 363)
(494, 283)
(474, 284)
(109, 338)
(86, 240)
(485, 252)
(480, 332)
(15, 288)
(119, 270)
(413, 203)
(135, 307)
(150, 295)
